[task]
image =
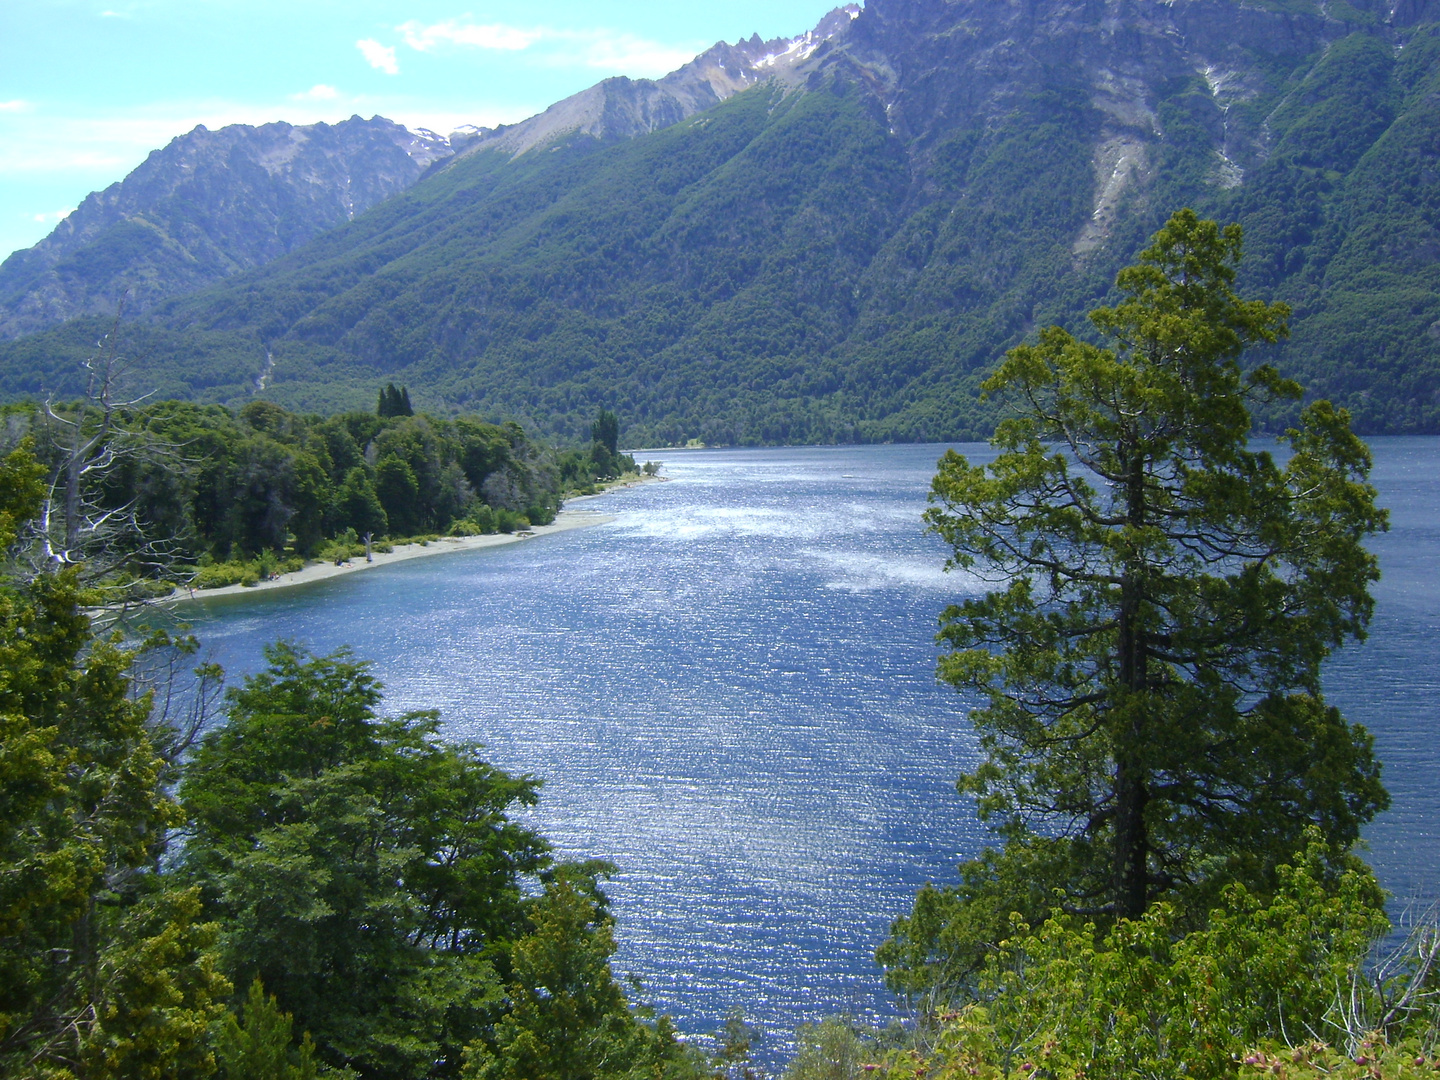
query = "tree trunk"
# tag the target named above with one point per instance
(1131, 891)
(73, 468)
(1131, 888)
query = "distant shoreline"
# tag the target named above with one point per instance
(564, 521)
(322, 571)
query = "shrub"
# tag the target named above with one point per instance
(1148, 999)
(508, 521)
(219, 575)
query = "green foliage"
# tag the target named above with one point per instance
(242, 495)
(21, 492)
(106, 968)
(213, 575)
(261, 1045)
(829, 1050)
(1145, 999)
(367, 872)
(1149, 662)
(1373, 1059)
(156, 993)
(358, 505)
(606, 431)
(568, 1017)
(735, 1040)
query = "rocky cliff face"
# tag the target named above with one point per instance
(208, 205)
(621, 108)
(947, 66)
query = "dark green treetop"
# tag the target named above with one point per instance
(367, 872)
(568, 1017)
(606, 431)
(394, 402)
(1147, 659)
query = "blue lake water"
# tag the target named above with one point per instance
(730, 693)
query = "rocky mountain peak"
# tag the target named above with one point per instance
(622, 108)
(209, 204)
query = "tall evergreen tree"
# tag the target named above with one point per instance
(1148, 661)
(606, 431)
(394, 402)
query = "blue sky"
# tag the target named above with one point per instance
(89, 87)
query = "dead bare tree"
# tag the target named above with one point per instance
(1397, 992)
(183, 694)
(84, 443)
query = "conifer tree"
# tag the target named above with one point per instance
(394, 402)
(1147, 660)
(261, 1042)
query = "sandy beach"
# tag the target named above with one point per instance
(564, 521)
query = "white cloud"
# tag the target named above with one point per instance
(380, 57)
(603, 50)
(318, 92)
(630, 55)
(497, 36)
(14, 106)
(54, 217)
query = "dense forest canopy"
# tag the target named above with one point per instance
(216, 496)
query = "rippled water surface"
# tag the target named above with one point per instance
(729, 691)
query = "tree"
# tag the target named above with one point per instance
(605, 445)
(568, 1018)
(263, 1045)
(399, 494)
(394, 402)
(357, 506)
(606, 431)
(106, 970)
(86, 519)
(1065, 1000)
(368, 873)
(1148, 661)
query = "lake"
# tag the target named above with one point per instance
(730, 693)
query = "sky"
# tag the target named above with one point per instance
(89, 87)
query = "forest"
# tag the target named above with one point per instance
(180, 493)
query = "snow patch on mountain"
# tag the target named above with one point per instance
(622, 108)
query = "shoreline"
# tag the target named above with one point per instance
(564, 521)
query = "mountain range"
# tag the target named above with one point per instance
(826, 238)
(210, 204)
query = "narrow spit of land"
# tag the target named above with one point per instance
(564, 521)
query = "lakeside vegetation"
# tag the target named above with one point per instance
(212, 496)
(1174, 887)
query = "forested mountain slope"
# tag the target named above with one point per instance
(842, 252)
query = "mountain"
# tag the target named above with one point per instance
(843, 243)
(618, 109)
(210, 204)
